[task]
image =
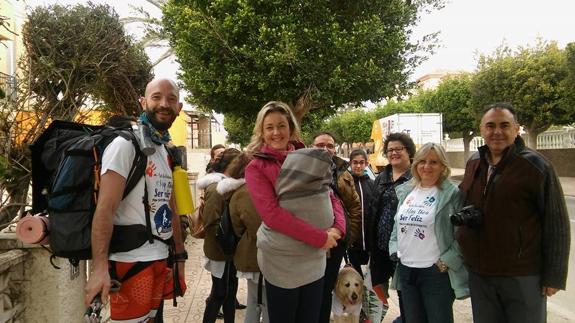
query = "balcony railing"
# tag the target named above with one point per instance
(556, 139)
(7, 87)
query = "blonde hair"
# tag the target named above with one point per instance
(273, 106)
(420, 155)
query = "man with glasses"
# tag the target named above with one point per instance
(344, 189)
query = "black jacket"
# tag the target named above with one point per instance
(364, 188)
(525, 229)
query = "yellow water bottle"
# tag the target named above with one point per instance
(184, 201)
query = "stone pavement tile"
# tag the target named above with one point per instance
(190, 308)
(461, 310)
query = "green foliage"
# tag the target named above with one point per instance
(413, 104)
(237, 55)
(351, 126)
(569, 82)
(239, 128)
(452, 98)
(312, 122)
(532, 79)
(81, 52)
(73, 55)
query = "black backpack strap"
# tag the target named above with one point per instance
(175, 155)
(147, 213)
(136, 172)
(133, 271)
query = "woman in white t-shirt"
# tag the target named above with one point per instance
(430, 269)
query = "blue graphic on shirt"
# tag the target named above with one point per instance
(429, 201)
(419, 233)
(163, 219)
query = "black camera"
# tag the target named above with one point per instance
(469, 216)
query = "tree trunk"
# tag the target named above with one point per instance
(532, 133)
(467, 137)
(302, 105)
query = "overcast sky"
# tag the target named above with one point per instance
(470, 26)
(467, 27)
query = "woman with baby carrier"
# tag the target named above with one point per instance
(299, 223)
(430, 269)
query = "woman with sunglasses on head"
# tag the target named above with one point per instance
(291, 251)
(430, 270)
(399, 150)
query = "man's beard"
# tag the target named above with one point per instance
(159, 125)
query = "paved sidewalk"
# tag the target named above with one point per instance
(190, 308)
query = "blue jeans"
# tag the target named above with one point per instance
(294, 305)
(427, 295)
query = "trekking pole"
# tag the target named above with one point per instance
(92, 314)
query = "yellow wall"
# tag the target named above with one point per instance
(11, 47)
(179, 130)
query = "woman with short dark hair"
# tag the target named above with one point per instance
(399, 150)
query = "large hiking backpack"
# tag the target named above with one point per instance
(66, 161)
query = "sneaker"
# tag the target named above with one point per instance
(240, 306)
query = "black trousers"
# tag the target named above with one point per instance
(358, 257)
(331, 270)
(294, 305)
(507, 299)
(223, 294)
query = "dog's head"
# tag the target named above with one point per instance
(349, 286)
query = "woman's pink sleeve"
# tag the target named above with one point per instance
(338, 213)
(276, 218)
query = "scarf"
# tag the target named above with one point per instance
(156, 136)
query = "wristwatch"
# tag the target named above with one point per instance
(181, 255)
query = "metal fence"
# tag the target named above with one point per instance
(556, 139)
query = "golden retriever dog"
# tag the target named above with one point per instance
(347, 296)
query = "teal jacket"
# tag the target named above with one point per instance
(449, 202)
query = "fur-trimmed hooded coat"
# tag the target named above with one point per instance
(245, 220)
(213, 206)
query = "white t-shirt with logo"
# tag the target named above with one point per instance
(415, 219)
(118, 157)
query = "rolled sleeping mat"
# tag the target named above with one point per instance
(33, 229)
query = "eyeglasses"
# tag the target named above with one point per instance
(358, 162)
(394, 150)
(322, 146)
